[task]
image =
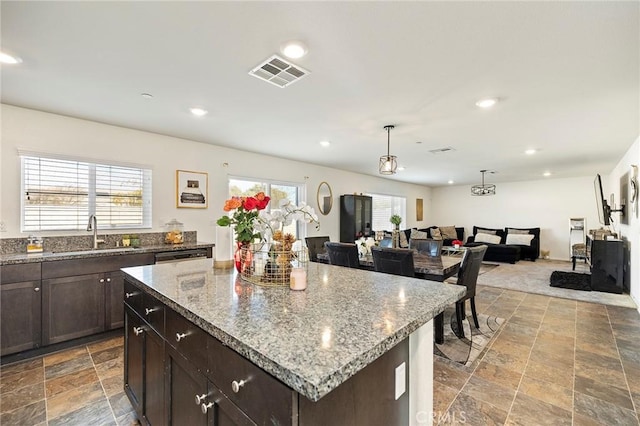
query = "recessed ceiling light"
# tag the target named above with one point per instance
(450, 182)
(418, 142)
(147, 95)
(486, 103)
(5, 58)
(530, 151)
(325, 143)
(294, 49)
(546, 174)
(198, 112)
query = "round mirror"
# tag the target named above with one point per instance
(324, 198)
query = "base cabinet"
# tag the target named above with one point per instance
(20, 316)
(204, 382)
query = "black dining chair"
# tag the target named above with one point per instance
(427, 246)
(393, 261)
(468, 277)
(343, 254)
(315, 245)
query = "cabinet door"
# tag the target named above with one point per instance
(183, 383)
(114, 288)
(134, 356)
(223, 412)
(20, 316)
(73, 307)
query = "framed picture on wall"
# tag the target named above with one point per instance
(192, 189)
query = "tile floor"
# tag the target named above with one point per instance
(554, 362)
(79, 386)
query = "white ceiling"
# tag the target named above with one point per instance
(567, 75)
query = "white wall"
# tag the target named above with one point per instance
(44, 132)
(630, 232)
(546, 203)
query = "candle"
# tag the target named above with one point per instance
(298, 279)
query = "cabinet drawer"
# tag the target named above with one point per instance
(187, 338)
(20, 273)
(133, 297)
(264, 398)
(152, 311)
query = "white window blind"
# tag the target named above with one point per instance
(60, 194)
(385, 206)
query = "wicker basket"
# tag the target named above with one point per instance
(269, 267)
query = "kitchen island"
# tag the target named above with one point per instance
(354, 348)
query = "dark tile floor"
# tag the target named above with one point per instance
(554, 362)
(79, 386)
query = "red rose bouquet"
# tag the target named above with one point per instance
(244, 216)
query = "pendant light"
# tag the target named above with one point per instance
(388, 163)
(484, 189)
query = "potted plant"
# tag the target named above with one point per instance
(396, 220)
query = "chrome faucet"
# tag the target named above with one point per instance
(93, 226)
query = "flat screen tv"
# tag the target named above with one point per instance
(604, 211)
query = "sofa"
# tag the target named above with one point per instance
(433, 232)
(508, 244)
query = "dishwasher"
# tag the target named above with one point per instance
(182, 255)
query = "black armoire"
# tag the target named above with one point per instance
(356, 214)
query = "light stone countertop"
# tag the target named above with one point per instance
(17, 258)
(311, 340)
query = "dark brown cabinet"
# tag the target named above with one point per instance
(114, 295)
(20, 308)
(72, 307)
(356, 216)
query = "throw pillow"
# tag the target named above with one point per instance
(486, 231)
(517, 231)
(487, 238)
(448, 232)
(403, 240)
(418, 234)
(519, 239)
(435, 234)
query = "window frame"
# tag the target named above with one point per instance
(402, 213)
(95, 192)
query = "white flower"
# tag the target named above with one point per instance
(268, 222)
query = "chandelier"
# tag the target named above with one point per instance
(388, 163)
(483, 189)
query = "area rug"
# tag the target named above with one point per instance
(572, 280)
(467, 349)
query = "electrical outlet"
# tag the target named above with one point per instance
(401, 380)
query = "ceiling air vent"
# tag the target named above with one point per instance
(278, 71)
(441, 150)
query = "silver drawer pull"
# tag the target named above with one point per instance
(108, 280)
(235, 386)
(101, 280)
(129, 295)
(138, 330)
(148, 311)
(205, 407)
(180, 336)
(36, 289)
(200, 398)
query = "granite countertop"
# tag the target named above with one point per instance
(311, 340)
(16, 258)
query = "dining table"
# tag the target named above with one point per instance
(433, 268)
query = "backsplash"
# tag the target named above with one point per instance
(85, 242)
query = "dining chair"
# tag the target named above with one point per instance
(315, 245)
(427, 246)
(468, 277)
(393, 261)
(343, 254)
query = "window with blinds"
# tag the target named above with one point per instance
(385, 206)
(61, 193)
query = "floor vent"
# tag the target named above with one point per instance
(278, 71)
(442, 150)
